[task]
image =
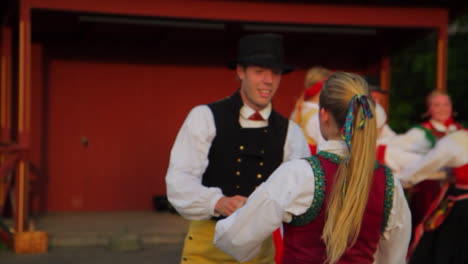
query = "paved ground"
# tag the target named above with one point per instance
(92, 238)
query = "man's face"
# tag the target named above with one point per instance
(258, 85)
(440, 108)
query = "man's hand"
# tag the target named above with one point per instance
(227, 205)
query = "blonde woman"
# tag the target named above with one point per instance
(338, 206)
(306, 108)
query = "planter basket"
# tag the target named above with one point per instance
(31, 242)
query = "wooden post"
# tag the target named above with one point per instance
(385, 78)
(5, 96)
(5, 79)
(24, 106)
(441, 68)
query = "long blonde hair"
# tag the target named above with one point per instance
(350, 191)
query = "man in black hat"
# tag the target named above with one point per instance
(227, 148)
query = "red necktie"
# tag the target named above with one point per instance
(256, 117)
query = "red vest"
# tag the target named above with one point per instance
(302, 237)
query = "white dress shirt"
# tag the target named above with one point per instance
(289, 191)
(189, 159)
(450, 151)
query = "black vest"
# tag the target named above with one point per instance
(240, 159)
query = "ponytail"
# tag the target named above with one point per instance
(350, 191)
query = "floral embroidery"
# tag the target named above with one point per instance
(320, 187)
(388, 201)
(330, 156)
(319, 194)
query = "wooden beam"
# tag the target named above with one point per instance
(295, 13)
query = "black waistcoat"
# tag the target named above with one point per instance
(240, 159)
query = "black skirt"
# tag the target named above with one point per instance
(448, 244)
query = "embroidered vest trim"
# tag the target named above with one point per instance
(319, 194)
(320, 187)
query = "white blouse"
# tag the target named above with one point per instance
(189, 159)
(396, 157)
(289, 191)
(414, 140)
(450, 151)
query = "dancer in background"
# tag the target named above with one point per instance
(421, 139)
(442, 236)
(306, 108)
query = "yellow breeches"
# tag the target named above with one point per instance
(199, 247)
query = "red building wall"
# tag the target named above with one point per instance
(130, 112)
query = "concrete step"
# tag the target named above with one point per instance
(99, 239)
(124, 229)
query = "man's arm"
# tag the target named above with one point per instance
(188, 162)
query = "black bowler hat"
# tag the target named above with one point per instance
(265, 50)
